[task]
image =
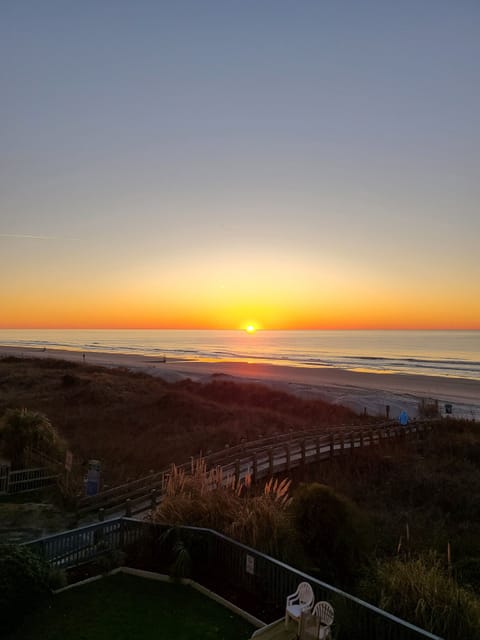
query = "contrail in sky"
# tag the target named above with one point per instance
(30, 237)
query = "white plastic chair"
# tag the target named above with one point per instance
(324, 611)
(298, 602)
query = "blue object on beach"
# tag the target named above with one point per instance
(403, 419)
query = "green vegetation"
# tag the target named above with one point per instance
(423, 592)
(27, 435)
(422, 499)
(317, 530)
(125, 607)
(25, 582)
(333, 532)
(432, 485)
(398, 525)
(260, 520)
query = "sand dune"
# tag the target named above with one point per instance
(358, 390)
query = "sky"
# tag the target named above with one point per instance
(216, 164)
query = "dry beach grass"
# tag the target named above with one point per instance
(358, 390)
(134, 422)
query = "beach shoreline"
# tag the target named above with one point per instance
(361, 391)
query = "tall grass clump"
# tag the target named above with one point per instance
(205, 498)
(423, 592)
(263, 521)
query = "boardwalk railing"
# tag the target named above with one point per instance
(23, 480)
(227, 567)
(261, 459)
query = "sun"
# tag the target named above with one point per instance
(250, 328)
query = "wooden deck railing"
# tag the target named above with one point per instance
(227, 567)
(23, 480)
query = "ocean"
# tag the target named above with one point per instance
(451, 354)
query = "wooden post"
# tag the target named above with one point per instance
(122, 534)
(153, 498)
(163, 482)
(101, 514)
(270, 460)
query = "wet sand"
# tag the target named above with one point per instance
(358, 390)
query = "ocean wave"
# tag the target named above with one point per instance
(454, 354)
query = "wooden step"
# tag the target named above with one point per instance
(276, 631)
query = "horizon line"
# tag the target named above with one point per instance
(258, 330)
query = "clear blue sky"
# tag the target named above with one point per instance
(159, 152)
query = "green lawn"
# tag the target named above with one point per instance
(124, 607)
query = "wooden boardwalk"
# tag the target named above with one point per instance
(260, 460)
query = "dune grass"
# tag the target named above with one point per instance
(422, 591)
(257, 519)
(125, 607)
(134, 422)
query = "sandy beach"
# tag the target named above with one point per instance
(358, 390)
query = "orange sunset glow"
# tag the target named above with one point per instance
(289, 311)
(254, 182)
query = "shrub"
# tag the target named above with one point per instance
(25, 433)
(467, 572)
(110, 559)
(24, 582)
(333, 531)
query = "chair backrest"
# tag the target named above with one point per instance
(305, 593)
(324, 611)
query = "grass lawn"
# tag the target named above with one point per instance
(124, 607)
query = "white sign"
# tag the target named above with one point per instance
(250, 565)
